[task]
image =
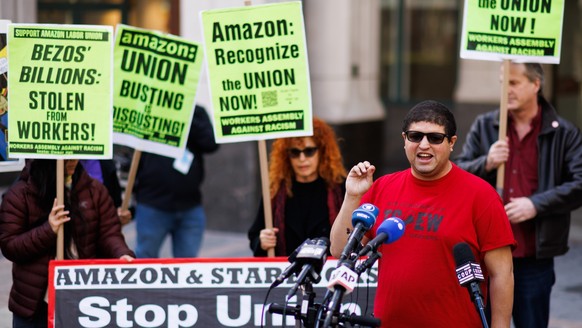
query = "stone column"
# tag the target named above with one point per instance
(343, 50)
(18, 11)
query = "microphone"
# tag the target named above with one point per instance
(344, 277)
(291, 269)
(343, 280)
(363, 218)
(311, 258)
(469, 274)
(388, 232)
(368, 263)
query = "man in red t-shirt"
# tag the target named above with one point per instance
(441, 205)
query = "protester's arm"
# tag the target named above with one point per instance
(473, 156)
(268, 238)
(20, 242)
(499, 264)
(520, 209)
(111, 242)
(254, 233)
(111, 182)
(497, 155)
(58, 216)
(358, 181)
(127, 258)
(342, 225)
(125, 216)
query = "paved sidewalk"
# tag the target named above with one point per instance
(216, 244)
(566, 302)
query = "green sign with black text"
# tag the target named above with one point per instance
(258, 72)
(61, 86)
(156, 78)
(519, 30)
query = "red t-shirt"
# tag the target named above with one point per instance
(417, 284)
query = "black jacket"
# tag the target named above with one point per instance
(111, 181)
(160, 186)
(559, 173)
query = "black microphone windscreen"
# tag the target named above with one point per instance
(463, 254)
(293, 255)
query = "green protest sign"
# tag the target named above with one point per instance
(258, 72)
(61, 86)
(156, 78)
(519, 30)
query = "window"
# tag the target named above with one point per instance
(419, 50)
(106, 12)
(150, 14)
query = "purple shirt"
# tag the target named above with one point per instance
(93, 168)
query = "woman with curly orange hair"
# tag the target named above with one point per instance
(306, 182)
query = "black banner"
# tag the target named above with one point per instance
(184, 293)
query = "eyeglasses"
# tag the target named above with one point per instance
(434, 138)
(296, 152)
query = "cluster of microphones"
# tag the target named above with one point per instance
(308, 260)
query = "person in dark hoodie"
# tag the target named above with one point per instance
(168, 196)
(30, 219)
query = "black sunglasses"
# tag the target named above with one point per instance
(296, 152)
(434, 138)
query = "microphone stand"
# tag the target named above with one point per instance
(309, 312)
(305, 312)
(333, 306)
(478, 300)
(368, 263)
(333, 317)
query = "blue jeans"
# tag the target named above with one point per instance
(39, 320)
(185, 227)
(533, 285)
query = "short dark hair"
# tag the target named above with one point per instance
(433, 112)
